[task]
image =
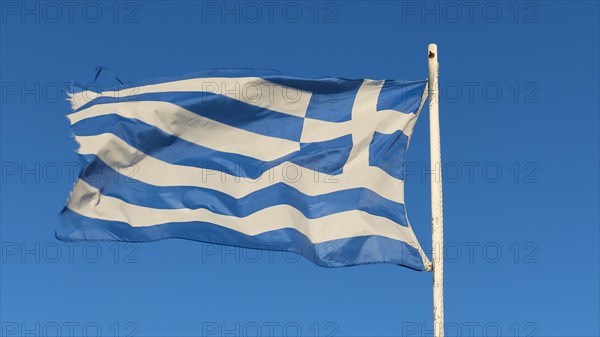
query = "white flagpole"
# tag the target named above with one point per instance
(437, 232)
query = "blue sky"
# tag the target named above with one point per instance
(520, 146)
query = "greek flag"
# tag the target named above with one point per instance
(250, 159)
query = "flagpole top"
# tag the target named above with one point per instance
(432, 48)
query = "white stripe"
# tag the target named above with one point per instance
(251, 90)
(196, 129)
(118, 154)
(388, 121)
(88, 201)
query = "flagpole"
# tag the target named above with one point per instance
(437, 226)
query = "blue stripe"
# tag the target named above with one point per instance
(222, 109)
(388, 152)
(330, 156)
(331, 100)
(133, 191)
(402, 96)
(336, 253)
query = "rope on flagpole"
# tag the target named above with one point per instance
(437, 213)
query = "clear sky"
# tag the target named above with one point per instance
(520, 145)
